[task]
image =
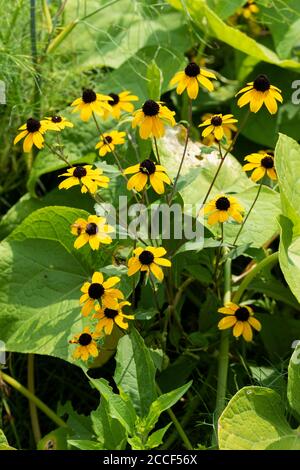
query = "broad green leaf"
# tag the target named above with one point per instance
(55, 440)
(108, 430)
(3, 442)
(135, 372)
(156, 438)
(287, 166)
(253, 419)
(85, 444)
(79, 424)
(41, 276)
(207, 19)
(162, 403)
(262, 222)
(294, 382)
(285, 443)
(118, 408)
(225, 9)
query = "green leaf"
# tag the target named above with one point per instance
(207, 19)
(285, 443)
(85, 444)
(118, 408)
(108, 430)
(155, 78)
(294, 382)
(41, 275)
(54, 440)
(3, 442)
(135, 372)
(162, 403)
(253, 419)
(287, 166)
(156, 438)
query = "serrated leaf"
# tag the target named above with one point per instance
(294, 382)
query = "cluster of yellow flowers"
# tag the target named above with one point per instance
(100, 295)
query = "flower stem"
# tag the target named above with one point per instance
(30, 396)
(269, 260)
(224, 348)
(184, 150)
(156, 151)
(32, 406)
(249, 212)
(178, 426)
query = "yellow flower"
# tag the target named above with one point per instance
(33, 133)
(94, 231)
(258, 93)
(85, 176)
(262, 164)
(148, 259)
(250, 8)
(241, 318)
(221, 208)
(121, 102)
(147, 169)
(217, 124)
(109, 140)
(87, 345)
(108, 317)
(59, 122)
(151, 119)
(189, 79)
(100, 292)
(228, 129)
(91, 102)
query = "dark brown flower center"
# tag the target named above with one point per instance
(222, 204)
(147, 167)
(33, 125)
(107, 139)
(88, 96)
(261, 83)
(242, 314)
(192, 70)
(110, 313)
(79, 172)
(91, 228)
(85, 339)
(216, 121)
(267, 162)
(115, 98)
(150, 108)
(56, 119)
(146, 257)
(96, 291)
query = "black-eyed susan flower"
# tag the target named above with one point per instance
(229, 130)
(87, 345)
(91, 102)
(241, 318)
(144, 171)
(88, 178)
(60, 122)
(100, 292)
(221, 208)
(33, 133)
(248, 10)
(148, 259)
(217, 125)
(109, 140)
(151, 119)
(94, 231)
(120, 102)
(108, 317)
(262, 164)
(260, 92)
(189, 79)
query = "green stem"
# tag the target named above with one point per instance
(269, 260)
(34, 56)
(30, 396)
(178, 426)
(157, 152)
(247, 216)
(32, 406)
(184, 150)
(224, 349)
